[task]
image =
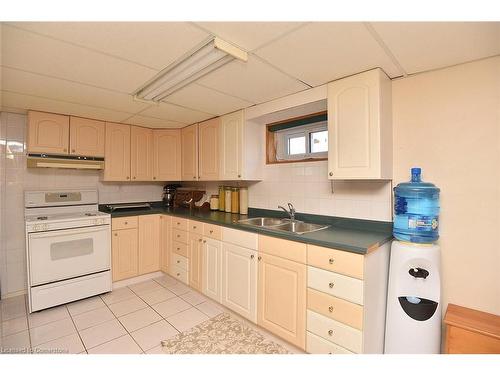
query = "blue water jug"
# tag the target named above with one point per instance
(416, 210)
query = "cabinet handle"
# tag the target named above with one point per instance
(330, 332)
(239, 176)
(252, 256)
(331, 260)
(330, 309)
(134, 177)
(331, 285)
(178, 248)
(178, 274)
(116, 234)
(259, 258)
(211, 231)
(128, 177)
(200, 240)
(154, 178)
(178, 261)
(126, 222)
(204, 241)
(330, 174)
(194, 177)
(178, 236)
(194, 226)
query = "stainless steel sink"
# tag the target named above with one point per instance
(263, 221)
(299, 227)
(283, 225)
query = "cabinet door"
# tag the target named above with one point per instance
(124, 253)
(167, 155)
(239, 280)
(149, 243)
(282, 298)
(231, 146)
(209, 149)
(48, 133)
(141, 154)
(117, 152)
(357, 123)
(212, 263)
(86, 137)
(165, 241)
(189, 147)
(195, 261)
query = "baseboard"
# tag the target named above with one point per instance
(137, 279)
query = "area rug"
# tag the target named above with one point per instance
(221, 335)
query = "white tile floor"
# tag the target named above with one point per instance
(132, 319)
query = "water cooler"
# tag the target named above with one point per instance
(413, 322)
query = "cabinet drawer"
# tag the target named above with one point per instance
(179, 261)
(240, 238)
(345, 287)
(291, 250)
(180, 236)
(180, 274)
(195, 227)
(124, 222)
(212, 231)
(180, 248)
(335, 308)
(179, 223)
(318, 345)
(336, 332)
(338, 261)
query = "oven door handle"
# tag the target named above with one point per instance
(61, 232)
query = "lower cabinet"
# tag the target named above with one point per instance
(212, 272)
(195, 261)
(124, 253)
(165, 242)
(239, 280)
(282, 298)
(149, 243)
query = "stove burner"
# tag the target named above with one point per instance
(42, 218)
(90, 214)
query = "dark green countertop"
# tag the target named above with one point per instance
(357, 236)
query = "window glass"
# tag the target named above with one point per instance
(319, 141)
(297, 145)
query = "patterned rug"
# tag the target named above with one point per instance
(221, 335)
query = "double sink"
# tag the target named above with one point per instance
(283, 225)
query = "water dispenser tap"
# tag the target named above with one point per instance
(419, 273)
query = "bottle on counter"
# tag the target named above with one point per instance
(235, 200)
(227, 199)
(214, 202)
(243, 200)
(221, 198)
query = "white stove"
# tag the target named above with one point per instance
(68, 245)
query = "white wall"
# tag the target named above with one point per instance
(15, 178)
(448, 122)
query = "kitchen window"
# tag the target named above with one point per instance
(298, 139)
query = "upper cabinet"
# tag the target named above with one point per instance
(86, 137)
(141, 154)
(48, 133)
(360, 127)
(117, 152)
(167, 154)
(189, 148)
(208, 152)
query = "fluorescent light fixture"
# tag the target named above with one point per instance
(205, 59)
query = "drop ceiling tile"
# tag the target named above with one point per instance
(206, 100)
(60, 89)
(38, 54)
(152, 122)
(420, 46)
(249, 35)
(167, 111)
(254, 80)
(25, 102)
(153, 44)
(324, 51)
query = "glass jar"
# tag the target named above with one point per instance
(221, 198)
(227, 199)
(243, 201)
(235, 200)
(214, 202)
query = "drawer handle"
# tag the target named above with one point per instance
(178, 274)
(116, 234)
(178, 248)
(199, 240)
(330, 309)
(331, 260)
(259, 258)
(178, 223)
(204, 241)
(211, 231)
(178, 236)
(252, 256)
(194, 226)
(330, 332)
(126, 222)
(178, 261)
(331, 285)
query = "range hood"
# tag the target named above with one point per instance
(63, 161)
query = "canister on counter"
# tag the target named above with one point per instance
(221, 198)
(214, 202)
(243, 200)
(227, 199)
(235, 200)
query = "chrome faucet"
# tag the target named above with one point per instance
(290, 212)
